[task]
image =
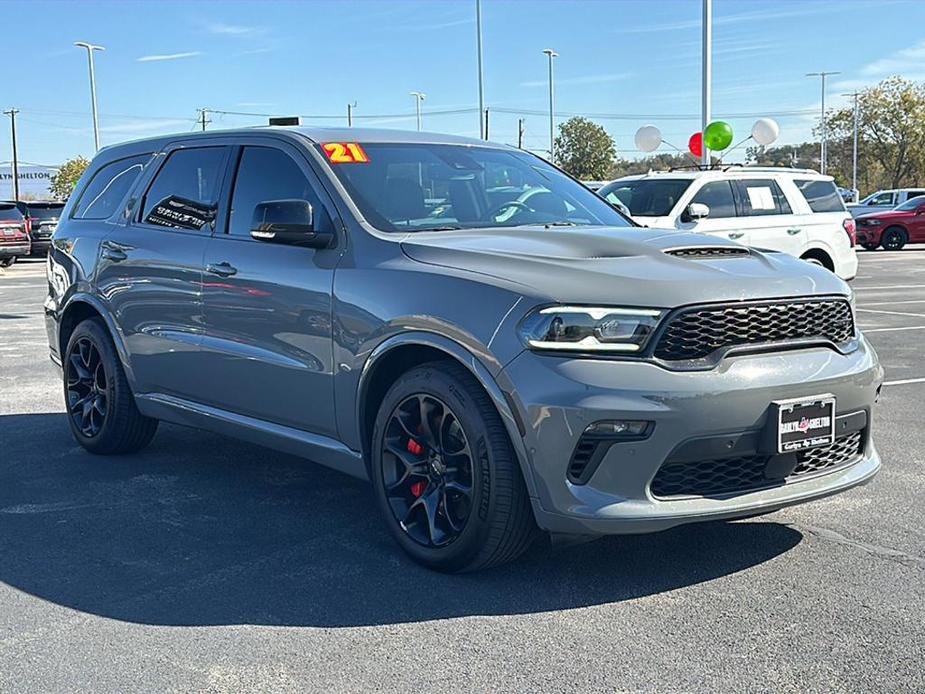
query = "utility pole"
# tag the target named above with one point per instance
(203, 120)
(12, 114)
(824, 145)
(520, 133)
(854, 151)
(96, 122)
(550, 53)
(350, 108)
(478, 27)
(707, 78)
(418, 98)
(486, 122)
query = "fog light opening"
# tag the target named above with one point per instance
(618, 428)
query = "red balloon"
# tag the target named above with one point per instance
(695, 144)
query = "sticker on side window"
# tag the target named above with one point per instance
(345, 153)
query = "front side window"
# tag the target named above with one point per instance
(822, 196)
(264, 175)
(911, 205)
(403, 187)
(761, 197)
(108, 187)
(647, 197)
(881, 199)
(717, 195)
(184, 194)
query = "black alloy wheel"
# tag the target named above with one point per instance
(427, 470)
(894, 239)
(87, 388)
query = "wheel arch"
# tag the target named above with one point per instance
(78, 309)
(399, 353)
(822, 255)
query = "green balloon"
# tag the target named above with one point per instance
(718, 135)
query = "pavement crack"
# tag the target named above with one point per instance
(874, 550)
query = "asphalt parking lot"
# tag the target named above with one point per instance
(204, 564)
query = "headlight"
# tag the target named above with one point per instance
(589, 329)
(873, 222)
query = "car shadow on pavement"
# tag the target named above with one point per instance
(204, 530)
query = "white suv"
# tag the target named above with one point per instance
(884, 200)
(795, 211)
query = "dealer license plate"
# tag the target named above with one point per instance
(805, 423)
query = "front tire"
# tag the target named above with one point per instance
(101, 409)
(870, 246)
(894, 239)
(445, 474)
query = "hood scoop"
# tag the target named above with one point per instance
(708, 252)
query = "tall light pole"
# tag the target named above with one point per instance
(550, 53)
(418, 98)
(350, 108)
(12, 114)
(823, 147)
(96, 123)
(854, 151)
(707, 77)
(478, 28)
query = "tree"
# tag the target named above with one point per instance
(891, 142)
(63, 182)
(584, 149)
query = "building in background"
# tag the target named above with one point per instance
(34, 181)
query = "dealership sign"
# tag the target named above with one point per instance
(34, 181)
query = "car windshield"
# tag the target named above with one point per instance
(45, 211)
(911, 204)
(9, 213)
(647, 197)
(402, 187)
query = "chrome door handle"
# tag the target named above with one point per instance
(113, 251)
(736, 234)
(793, 231)
(222, 269)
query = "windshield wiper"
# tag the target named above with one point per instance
(562, 223)
(447, 227)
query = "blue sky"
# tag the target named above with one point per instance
(639, 59)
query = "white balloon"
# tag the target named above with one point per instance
(648, 138)
(765, 131)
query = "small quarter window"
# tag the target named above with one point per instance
(821, 195)
(108, 188)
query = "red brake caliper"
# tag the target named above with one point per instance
(414, 448)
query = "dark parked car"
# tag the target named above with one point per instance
(488, 342)
(42, 220)
(14, 238)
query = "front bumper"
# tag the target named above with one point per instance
(869, 234)
(558, 397)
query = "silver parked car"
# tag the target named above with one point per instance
(493, 346)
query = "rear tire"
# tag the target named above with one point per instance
(445, 475)
(6, 262)
(894, 238)
(100, 405)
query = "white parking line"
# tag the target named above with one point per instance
(893, 303)
(904, 381)
(892, 313)
(888, 330)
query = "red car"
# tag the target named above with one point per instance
(895, 228)
(14, 235)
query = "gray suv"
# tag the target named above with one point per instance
(494, 347)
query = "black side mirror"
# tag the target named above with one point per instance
(290, 222)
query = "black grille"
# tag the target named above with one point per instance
(747, 473)
(697, 333)
(706, 252)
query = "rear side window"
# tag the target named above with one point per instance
(717, 195)
(108, 187)
(821, 195)
(760, 196)
(184, 193)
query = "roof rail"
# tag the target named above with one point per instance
(791, 169)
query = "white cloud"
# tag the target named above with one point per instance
(168, 56)
(223, 29)
(585, 79)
